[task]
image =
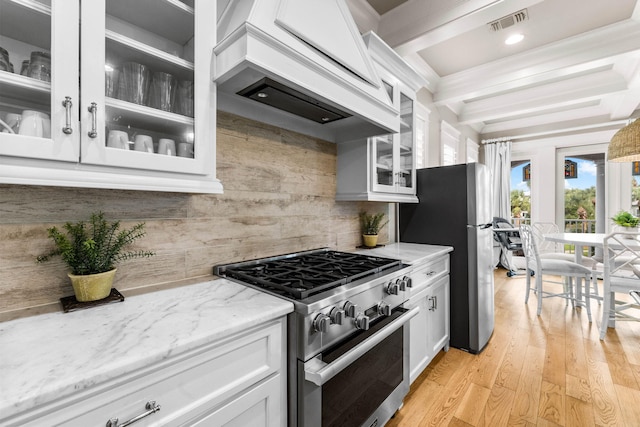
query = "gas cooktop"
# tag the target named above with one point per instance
(301, 275)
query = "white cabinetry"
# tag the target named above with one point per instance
(239, 381)
(87, 45)
(382, 168)
(429, 330)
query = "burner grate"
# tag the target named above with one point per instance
(307, 274)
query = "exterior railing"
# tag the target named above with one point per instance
(570, 225)
(580, 225)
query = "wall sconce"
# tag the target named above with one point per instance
(625, 144)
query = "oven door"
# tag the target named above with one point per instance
(360, 382)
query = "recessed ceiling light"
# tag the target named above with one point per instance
(514, 38)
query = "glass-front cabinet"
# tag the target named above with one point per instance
(382, 168)
(108, 86)
(36, 76)
(394, 169)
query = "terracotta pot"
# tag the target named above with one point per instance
(370, 240)
(92, 287)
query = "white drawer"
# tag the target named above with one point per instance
(184, 386)
(426, 273)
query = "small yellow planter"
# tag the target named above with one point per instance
(370, 240)
(92, 287)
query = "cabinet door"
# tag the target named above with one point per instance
(39, 40)
(144, 107)
(419, 351)
(438, 307)
(394, 154)
(405, 167)
(382, 149)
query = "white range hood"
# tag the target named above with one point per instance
(300, 65)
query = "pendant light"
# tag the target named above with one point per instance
(625, 144)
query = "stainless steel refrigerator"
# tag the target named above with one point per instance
(454, 209)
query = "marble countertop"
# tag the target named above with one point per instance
(51, 355)
(410, 253)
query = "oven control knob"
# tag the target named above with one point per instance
(362, 321)
(407, 280)
(351, 309)
(384, 309)
(393, 288)
(402, 284)
(337, 315)
(321, 323)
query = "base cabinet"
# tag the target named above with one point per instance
(429, 329)
(239, 381)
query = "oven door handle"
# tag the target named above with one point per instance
(319, 372)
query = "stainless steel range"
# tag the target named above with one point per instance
(348, 336)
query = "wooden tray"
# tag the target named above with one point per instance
(72, 304)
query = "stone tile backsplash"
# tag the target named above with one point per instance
(279, 197)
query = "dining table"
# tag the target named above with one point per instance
(579, 240)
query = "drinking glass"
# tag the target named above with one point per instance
(111, 76)
(184, 98)
(134, 83)
(163, 89)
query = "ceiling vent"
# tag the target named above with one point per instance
(509, 20)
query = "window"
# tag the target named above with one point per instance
(472, 151)
(422, 132)
(449, 137)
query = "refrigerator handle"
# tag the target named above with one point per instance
(480, 226)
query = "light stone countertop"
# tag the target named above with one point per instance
(409, 253)
(51, 355)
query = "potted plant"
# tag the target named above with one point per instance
(91, 250)
(371, 225)
(625, 219)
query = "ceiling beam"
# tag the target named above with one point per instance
(546, 98)
(595, 49)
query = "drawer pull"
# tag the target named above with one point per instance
(430, 273)
(151, 407)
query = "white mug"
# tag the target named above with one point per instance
(143, 143)
(167, 146)
(185, 149)
(118, 139)
(35, 123)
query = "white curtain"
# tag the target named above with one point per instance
(497, 156)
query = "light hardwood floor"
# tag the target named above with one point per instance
(547, 370)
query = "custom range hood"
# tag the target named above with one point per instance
(300, 65)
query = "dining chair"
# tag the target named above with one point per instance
(553, 250)
(621, 275)
(546, 270)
